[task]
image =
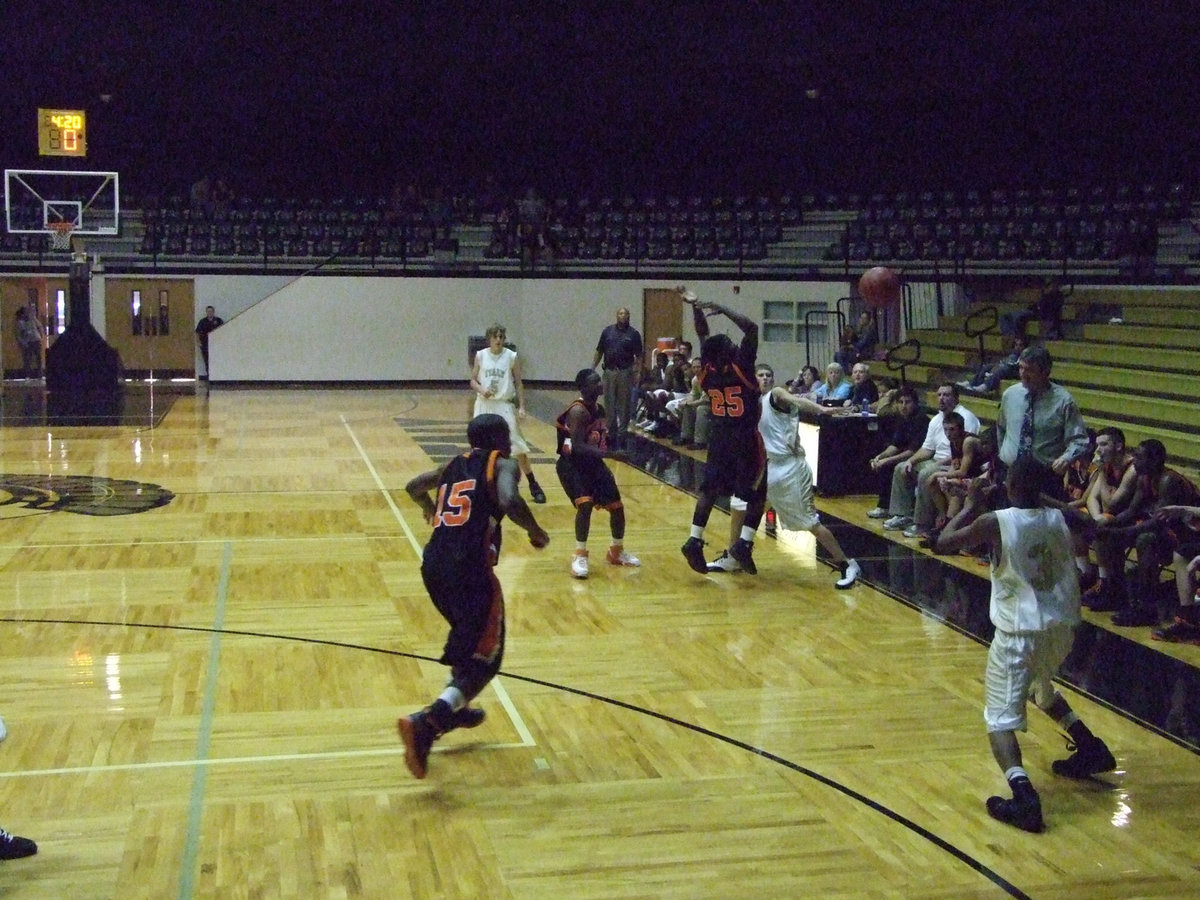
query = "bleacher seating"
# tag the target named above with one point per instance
(1149, 357)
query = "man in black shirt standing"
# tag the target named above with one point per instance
(620, 348)
(210, 323)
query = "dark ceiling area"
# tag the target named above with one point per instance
(616, 96)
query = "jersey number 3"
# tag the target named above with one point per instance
(454, 505)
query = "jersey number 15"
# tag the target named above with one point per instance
(454, 505)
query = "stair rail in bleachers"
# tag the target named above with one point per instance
(898, 357)
(980, 323)
(823, 315)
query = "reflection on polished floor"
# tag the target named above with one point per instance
(211, 619)
(26, 402)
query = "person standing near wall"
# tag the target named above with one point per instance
(620, 349)
(30, 337)
(206, 326)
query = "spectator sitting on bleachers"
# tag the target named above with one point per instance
(863, 391)
(888, 403)
(1047, 309)
(984, 462)
(693, 412)
(678, 376)
(965, 462)
(1185, 628)
(222, 199)
(834, 387)
(1109, 493)
(908, 431)
(910, 490)
(858, 342)
(1155, 487)
(1080, 474)
(651, 396)
(201, 196)
(805, 382)
(986, 379)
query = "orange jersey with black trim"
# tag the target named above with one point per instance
(596, 428)
(467, 514)
(733, 395)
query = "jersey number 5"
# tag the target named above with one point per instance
(727, 401)
(454, 507)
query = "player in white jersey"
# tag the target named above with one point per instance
(789, 477)
(496, 381)
(1035, 608)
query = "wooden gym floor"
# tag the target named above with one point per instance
(210, 620)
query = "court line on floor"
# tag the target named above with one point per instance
(209, 762)
(509, 707)
(844, 789)
(191, 846)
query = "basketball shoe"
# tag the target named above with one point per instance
(1025, 812)
(617, 556)
(418, 735)
(579, 564)
(467, 717)
(850, 573)
(1090, 758)
(693, 552)
(14, 847)
(743, 551)
(724, 563)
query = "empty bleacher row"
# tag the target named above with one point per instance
(288, 228)
(806, 230)
(1071, 224)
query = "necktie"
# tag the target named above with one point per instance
(1025, 444)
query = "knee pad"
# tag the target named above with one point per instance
(737, 503)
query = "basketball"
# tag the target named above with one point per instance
(879, 287)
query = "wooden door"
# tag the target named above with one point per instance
(662, 316)
(150, 324)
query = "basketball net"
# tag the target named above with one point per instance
(60, 234)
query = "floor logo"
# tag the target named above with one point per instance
(21, 495)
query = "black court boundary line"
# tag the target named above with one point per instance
(942, 844)
(834, 522)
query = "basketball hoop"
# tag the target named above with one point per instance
(60, 234)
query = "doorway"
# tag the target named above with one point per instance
(662, 316)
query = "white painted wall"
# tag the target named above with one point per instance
(350, 328)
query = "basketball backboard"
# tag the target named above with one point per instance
(35, 200)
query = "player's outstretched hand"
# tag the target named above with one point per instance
(538, 538)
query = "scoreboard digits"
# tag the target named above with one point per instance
(62, 132)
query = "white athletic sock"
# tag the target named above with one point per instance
(581, 546)
(1082, 563)
(1015, 772)
(748, 534)
(454, 698)
(697, 531)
